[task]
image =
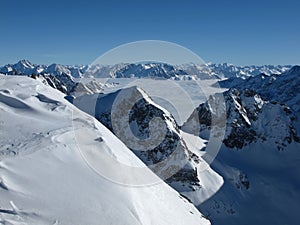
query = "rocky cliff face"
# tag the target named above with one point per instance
(281, 88)
(249, 119)
(252, 119)
(147, 122)
(68, 86)
(63, 82)
(260, 152)
(271, 112)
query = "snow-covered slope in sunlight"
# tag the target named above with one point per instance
(44, 178)
(170, 157)
(259, 158)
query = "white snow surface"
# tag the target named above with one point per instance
(44, 178)
(210, 181)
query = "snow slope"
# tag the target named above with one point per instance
(168, 152)
(44, 178)
(259, 158)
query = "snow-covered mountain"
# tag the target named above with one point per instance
(25, 67)
(44, 178)
(146, 70)
(64, 83)
(283, 88)
(259, 158)
(226, 70)
(57, 70)
(167, 154)
(249, 119)
(88, 88)
(149, 70)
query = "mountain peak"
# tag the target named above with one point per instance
(295, 70)
(57, 70)
(156, 70)
(25, 63)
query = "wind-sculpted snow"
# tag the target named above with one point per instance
(47, 179)
(152, 133)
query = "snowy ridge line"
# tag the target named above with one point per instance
(53, 184)
(259, 157)
(154, 70)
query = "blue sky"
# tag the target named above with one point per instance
(77, 32)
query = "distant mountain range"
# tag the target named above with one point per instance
(153, 70)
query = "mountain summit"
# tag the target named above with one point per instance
(146, 70)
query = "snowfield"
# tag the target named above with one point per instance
(60, 165)
(44, 176)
